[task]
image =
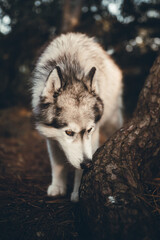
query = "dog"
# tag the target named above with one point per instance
(77, 89)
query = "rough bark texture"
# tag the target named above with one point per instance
(111, 192)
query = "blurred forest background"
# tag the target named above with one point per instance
(129, 30)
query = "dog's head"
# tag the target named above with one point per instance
(68, 112)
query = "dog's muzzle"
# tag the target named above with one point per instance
(86, 164)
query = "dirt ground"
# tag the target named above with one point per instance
(26, 211)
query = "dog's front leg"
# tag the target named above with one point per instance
(77, 182)
(58, 185)
(59, 170)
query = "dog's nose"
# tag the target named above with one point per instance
(86, 164)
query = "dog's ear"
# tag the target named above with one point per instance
(90, 80)
(53, 83)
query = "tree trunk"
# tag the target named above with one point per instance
(111, 192)
(71, 15)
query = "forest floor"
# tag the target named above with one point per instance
(26, 211)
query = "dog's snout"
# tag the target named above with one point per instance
(86, 164)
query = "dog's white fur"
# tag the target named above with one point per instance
(107, 84)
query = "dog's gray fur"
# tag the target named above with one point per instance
(77, 88)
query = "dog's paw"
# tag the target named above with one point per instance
(54, 190)
(75, 196)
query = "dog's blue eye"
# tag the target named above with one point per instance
(69, 133)
(89, 130)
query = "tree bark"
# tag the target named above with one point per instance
(71, 15)
(111, 192)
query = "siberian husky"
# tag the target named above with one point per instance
(77, 88)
